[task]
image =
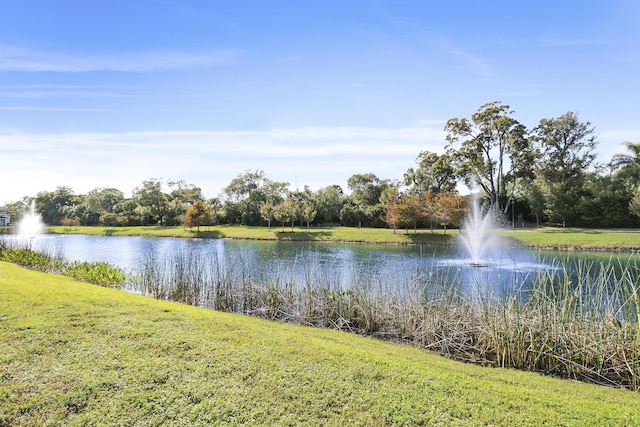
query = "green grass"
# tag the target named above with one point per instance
(79, 354)
(577, 238)
(544, 237)
(328, 234)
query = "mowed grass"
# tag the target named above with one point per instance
(577, 238)
(327, 234)
(79, 354)
(542, 237)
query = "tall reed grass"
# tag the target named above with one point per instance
(581, 323)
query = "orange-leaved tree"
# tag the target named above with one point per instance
(200, 213)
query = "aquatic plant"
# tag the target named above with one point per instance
(583, 325)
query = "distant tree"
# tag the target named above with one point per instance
(248, 191)
(308, 212)
(152, 200)
(567, 151)
(606, 202)
(200, 213)
(434, 173)
(181, 197)
(451, 209)
(410, 211)
(17, 209)
(493, 153)
(100, 200)
(68, 223)
(429, 208)
(129, 213)
(329, 201)
(55, 205)
(108, 219)
(366, 190)
(285, 212)
(535, 199)
(267, 211)
(391, 200)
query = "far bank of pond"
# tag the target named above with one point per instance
(552, 238)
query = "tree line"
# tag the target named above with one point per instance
(546, 174)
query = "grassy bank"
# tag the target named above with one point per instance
(76, 354)
(577, 238)
(329, 234)
(544, 237)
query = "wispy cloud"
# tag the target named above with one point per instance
(470, 58)
(312, 156)
(13, 58)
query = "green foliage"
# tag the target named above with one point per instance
(494, 151)
(104, 357)
(31, 259)
(152, 201)
(99, 273)
(566, 147)
(435, 173)
(546, 171)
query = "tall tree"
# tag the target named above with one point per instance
(494, 151)
(366, 190)
(434, 173)
(152, 200)
(55, 205)
(566, 146)
(248, 191)
(181, 197)
(100, 200)
(329, 201)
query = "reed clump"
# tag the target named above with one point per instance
(582, 325)
(98, 273)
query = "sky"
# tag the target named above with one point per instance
(109, 93)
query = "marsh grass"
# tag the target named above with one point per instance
(47, 260)
(73, 354)
(581, 323)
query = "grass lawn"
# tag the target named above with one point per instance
(79, 354)
(328, 234)
(544, 237)
(577, 238)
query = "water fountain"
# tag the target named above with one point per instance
(31, 225)
(479, 238)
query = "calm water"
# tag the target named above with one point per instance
(382, 267)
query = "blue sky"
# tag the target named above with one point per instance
(110, 93)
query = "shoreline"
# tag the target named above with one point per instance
(545, 239)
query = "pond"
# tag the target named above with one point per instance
(568, 314)
(378, 268)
